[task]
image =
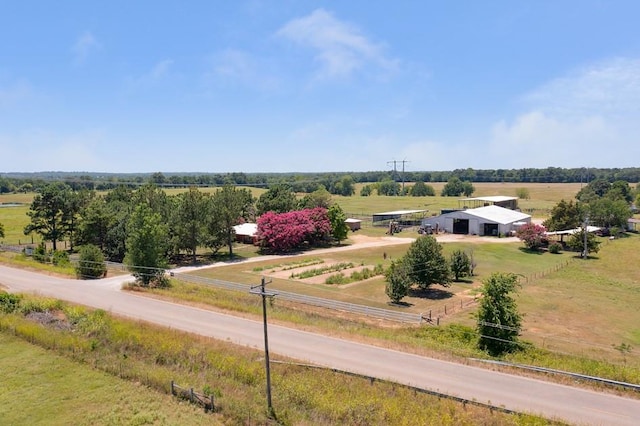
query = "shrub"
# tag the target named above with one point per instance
(532, 235)
(555, 248)
(91, 262)
(9, 302)
(60, 258)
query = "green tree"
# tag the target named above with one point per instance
(467, 188)
(564, 216)
(189, 221)
(48, 212)
(499, 321)
(606, 212)
(460, 264)
(278, 199)
(228, 206)
(90, 262)
(398, 281)
(365, 191)
(453, 188)
(95, 223)
(318, 198)
(576, 242)
(620, 190)
(337, 218)
(146, 244)
(388, 187)
(427, 265)
(420, 189)
(345, 186)
(76, 203)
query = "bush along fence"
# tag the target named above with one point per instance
(194, 397)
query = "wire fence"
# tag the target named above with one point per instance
(370, 311)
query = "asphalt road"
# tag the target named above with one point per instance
(574, 405)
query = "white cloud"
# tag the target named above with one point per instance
(591, 117)
(237, 66)
(341, 48)
(159, 72)
(607, 88)
(83, 46)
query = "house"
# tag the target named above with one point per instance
(490, 220)
(246, 233)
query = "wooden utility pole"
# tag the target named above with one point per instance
(260, 289)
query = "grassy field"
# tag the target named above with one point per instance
(542, 197)
(51, 389)
(43, 388)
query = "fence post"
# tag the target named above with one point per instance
(172, 390)
(445, 309)
(191, 395)
(213, 407)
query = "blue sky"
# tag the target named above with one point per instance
(310, 86)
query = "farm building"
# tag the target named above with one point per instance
(246, 232)
(403, 217)
(489, 220)
(495, 200)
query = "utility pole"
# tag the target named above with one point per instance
(260, 289)
(585, 252)
(395, 170)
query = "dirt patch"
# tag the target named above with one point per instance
(49, 319)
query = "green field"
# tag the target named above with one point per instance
(42, 388)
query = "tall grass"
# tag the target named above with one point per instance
(153, 356)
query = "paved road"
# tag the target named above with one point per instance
(574, 405)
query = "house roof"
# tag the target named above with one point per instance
(497, 214)
(249, 229)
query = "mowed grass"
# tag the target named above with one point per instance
(490, 257)
(42, 388)
(591, 306)
(14, 219)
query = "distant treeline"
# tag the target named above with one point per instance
(309, 182)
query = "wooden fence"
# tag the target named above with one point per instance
(194, 397)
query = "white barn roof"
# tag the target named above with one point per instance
(498, 214)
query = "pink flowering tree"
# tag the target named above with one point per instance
(532, 235)
(283, 232)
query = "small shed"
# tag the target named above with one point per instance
(353, 224)
(490, 220)
(633, 224)
(246, 233)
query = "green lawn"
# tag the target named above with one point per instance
(41, 388)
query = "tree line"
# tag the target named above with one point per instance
(145, 227)
(335, 182)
